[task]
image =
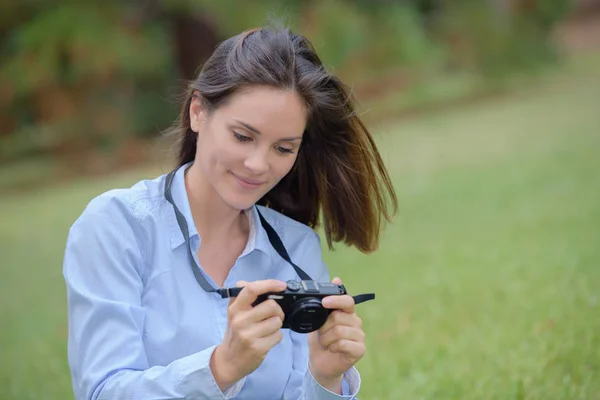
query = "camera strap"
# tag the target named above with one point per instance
(274, 239)
(280, 248)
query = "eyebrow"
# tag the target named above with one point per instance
(256, 131)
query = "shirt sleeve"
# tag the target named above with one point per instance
(104, 275)
(302, 385)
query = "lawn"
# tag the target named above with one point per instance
(487, 281)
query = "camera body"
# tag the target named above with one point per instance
(301, 303)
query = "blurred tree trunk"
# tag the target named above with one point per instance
(195, 38)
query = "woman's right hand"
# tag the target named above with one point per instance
(251, 332)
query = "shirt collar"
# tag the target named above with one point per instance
(258, 236)
(257, 239)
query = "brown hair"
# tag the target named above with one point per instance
(338, 167)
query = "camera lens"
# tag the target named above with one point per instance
(307, 315)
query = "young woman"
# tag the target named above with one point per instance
(266, 138)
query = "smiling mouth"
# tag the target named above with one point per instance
(251, 183)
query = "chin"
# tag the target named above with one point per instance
(239, 201)
(240, 205)
(242, 198)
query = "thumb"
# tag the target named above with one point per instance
(337, 281)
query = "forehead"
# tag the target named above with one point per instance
(271, 111)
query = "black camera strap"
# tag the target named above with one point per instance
(280, 248)
(186, 235)
(274, 239)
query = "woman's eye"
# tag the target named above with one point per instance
(284, 150)
(241, 138)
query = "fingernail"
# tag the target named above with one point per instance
(326, 302)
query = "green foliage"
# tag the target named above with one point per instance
(497, 42)
(547, 13)
(398, 37)
(83, 74)
(73, 69)
(338, 31)
(73, 45)
(230, 17)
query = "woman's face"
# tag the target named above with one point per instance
(249, 143)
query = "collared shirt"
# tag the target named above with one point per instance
(140, 326)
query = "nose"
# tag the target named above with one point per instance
(257, 162)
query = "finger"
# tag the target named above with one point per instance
(254, 289)
(233, 299)
(338, 317)
(349, 348)
(266, 343)
(337, 281)
(265, 310)
(344, 303)
(265, 327)
(340, 332)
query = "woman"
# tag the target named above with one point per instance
(265, 132)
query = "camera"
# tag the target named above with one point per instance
(301, 303)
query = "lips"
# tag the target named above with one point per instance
(247, 182)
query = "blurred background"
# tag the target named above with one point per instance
(488, 116)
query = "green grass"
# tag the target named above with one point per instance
(487, 281)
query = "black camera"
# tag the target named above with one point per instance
(301, 302)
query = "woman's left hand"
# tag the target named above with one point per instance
(338, 344)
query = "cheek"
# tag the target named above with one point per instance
(228, 157)
(284, 166)
(217, 154)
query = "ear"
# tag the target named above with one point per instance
(196, 112)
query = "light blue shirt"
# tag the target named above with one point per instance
(140, 326)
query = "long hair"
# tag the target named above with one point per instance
(338, 168)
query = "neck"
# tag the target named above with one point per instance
(214, 219)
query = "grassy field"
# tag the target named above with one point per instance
(487, 281)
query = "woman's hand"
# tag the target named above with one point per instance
(251, 332)
(338, 344)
